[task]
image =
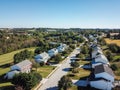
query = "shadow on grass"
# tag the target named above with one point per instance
(5, 65)
(66, 69)
(84, 78)
(7, 88)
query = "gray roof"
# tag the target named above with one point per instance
(23, 64)
(44, 54)
(103, 68)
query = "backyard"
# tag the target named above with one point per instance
(5, 61)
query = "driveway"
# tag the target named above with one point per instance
(52, 82)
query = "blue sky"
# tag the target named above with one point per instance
(60, 13)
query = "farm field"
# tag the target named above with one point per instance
(110, 41)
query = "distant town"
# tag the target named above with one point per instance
(59, 59)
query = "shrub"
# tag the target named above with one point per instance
(75, 64)
(75, 70)
(64, 83)
(114, 67)
(26, 80)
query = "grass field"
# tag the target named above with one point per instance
(8, 58)
(110, 41)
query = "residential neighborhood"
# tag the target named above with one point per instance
(59, 44)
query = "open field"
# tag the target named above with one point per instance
(110, 41)
(8, 58)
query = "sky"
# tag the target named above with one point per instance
(60, 13)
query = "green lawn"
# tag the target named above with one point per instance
(45, 70)
(74, 87)
(8, 58)
(81, 74)
(116, 57)
(82, 62)
(5, 84)
(4, 70)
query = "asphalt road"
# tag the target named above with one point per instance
(51, 82)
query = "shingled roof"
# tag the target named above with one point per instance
(103, 68)
(23, 64)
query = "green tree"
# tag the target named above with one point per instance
(18, 57)
(84, 50)
(109, 55)
(114, 48)
(26, 80)
(80, 55)
(64, 83)
(75, 64)
(114, 67)
(58, 58)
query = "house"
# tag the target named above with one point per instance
(24, 66)
(53, 52)
(99, 59)
(96, 52)
(62, 47)
(103, 77)
(43, 57)
(10, 74)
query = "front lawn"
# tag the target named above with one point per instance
(81, 74)
(45, 70)
(83, 62)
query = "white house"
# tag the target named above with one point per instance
(53, 52)
(102, 84)
(99, 59)
(104, 77)
(10, 74)
(43, 57)
(62, 47)
(96, 52)
(24, 66)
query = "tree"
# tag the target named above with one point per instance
(80, 55)
(42, 63)
(114, 67)
(114, 48)
(38, 50)
(65, 83)
(36, 65)
(109, 55)
(58, 58)
(108, 35)
(84, 50)
(18, 57)
(72, 46)
(75, 64)
(26, 80)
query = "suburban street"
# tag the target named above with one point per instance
(51, 82)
